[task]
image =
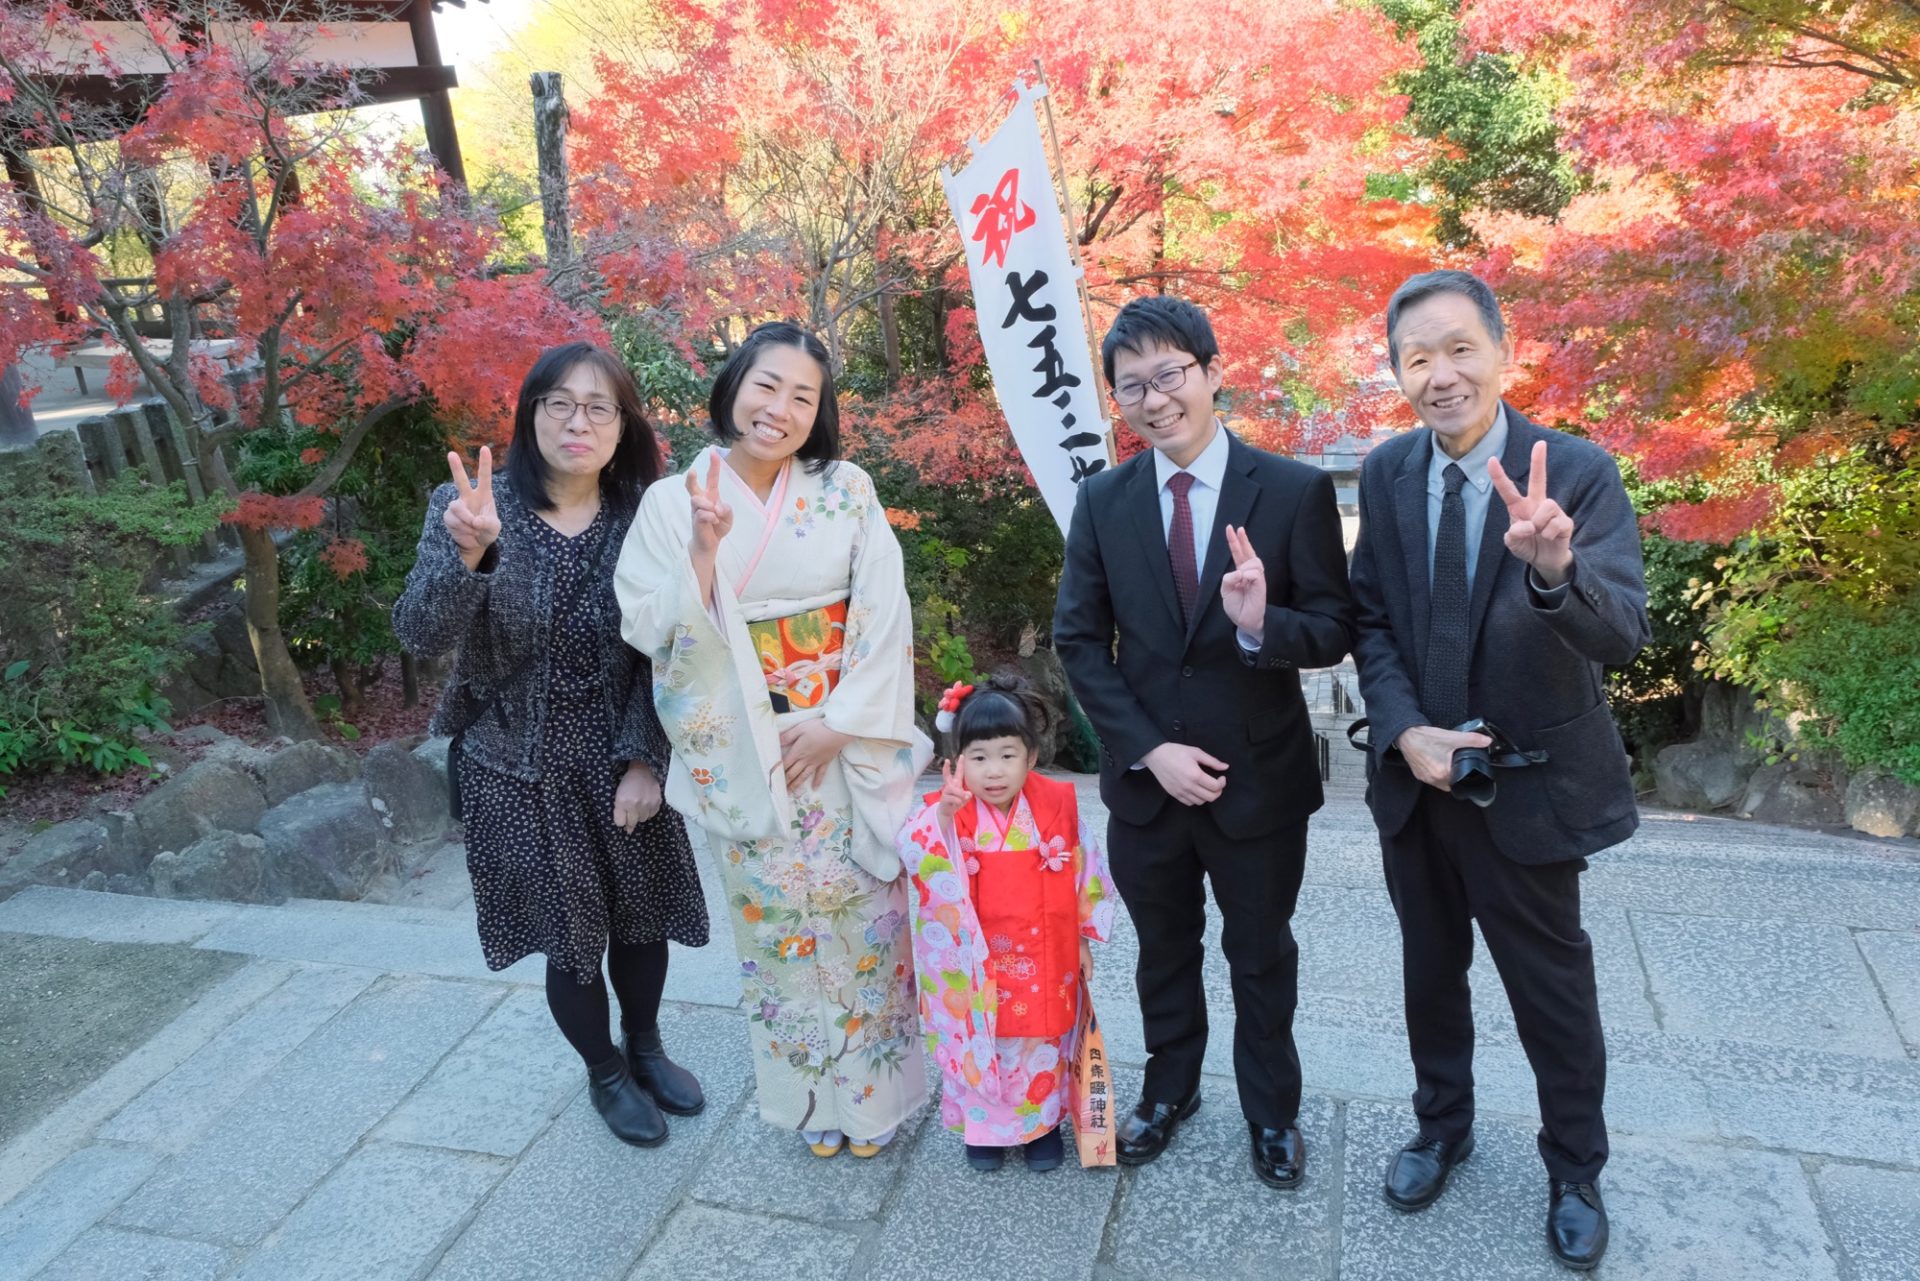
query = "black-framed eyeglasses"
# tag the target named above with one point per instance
(601, 413)
(1166, 382)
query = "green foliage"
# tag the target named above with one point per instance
(1819, 612)
(1649, 697)
(84, 641)
(335, 610)
(1493, 119)
(673, 388)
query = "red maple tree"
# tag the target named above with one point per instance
(782, 157)
(1734, 295)
(348, 279)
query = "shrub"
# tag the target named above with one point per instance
(84, 639)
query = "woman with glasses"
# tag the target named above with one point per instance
(558, 755)
(768, 591)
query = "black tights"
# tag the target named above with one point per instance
(639, 973)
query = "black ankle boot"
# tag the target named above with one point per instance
(626, 1108)
(674, 1088)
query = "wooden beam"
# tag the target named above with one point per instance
(127, 98)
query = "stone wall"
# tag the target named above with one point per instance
(1750, 763)
(310, 820)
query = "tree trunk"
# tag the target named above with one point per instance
(288, 712)
(409, 681)
(550, 142)
(937, 300)
(353, 696)
(890, 338)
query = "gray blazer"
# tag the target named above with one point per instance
(1535, 672)
(499, 620)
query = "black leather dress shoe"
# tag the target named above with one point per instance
(1576, 1224)
(1146, 1131)
(1417, 1175)
(1279, 1156)
(674, 1088)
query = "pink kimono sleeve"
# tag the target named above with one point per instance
(957, 1002)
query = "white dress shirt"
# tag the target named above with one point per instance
(1208, 471)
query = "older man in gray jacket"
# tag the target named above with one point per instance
(1484, 593)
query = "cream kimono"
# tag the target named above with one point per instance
(810, 619)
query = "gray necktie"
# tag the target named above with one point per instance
(1443, 682)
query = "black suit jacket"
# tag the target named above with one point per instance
(1535, 672)
(1164, 681)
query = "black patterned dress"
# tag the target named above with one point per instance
(551, 873)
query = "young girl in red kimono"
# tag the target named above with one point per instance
(1007, 882)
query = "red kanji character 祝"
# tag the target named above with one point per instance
(1001, 215)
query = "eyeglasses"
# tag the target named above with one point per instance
(1165, 382)
(601, 413)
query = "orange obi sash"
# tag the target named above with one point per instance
(801, 655)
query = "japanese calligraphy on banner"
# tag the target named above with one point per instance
(1026, 296)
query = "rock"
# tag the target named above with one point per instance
(433, 754)
(221, 865)
(1700, 776)
(325, 842)
(1792, 792)
(1044, 672)
(409, 793)
(293, 770)
(1879, 804)
(202, 735)
(65, 854)
(95, 880)
(207, 797)
(126, 885)
(1728, 715)
(167, 761)
(124, 836)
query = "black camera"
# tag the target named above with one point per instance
(1471, 778)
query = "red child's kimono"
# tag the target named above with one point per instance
(1001, 904)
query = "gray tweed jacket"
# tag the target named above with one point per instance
(498, 620)
(1537, 672)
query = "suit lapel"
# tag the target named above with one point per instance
(1238, 489)
(1143, 496)
(1516, 458)
(1410, 511)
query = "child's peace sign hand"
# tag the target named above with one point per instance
(471, 517)
(953, 791)
(712, 518)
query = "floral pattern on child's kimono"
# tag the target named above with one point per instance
(997, 1091)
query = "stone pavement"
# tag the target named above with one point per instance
(360, 1098)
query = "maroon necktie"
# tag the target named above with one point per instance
(1186, 575)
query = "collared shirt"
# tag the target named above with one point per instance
(1476, 495)
(1209, 470)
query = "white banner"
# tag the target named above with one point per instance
(1026, 295)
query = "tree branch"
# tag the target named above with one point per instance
(349, 442)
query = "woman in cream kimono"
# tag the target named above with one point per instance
(767, 589)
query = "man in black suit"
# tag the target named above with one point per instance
(1484, 592)
(1208, 766)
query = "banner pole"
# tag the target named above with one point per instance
(1059, 167)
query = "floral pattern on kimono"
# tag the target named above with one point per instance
(998, 1091)
(813, 886)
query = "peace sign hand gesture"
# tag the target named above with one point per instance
(953, 792)
(712, 521)
(1538, 531)
(1243, 589)
(471, 517)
